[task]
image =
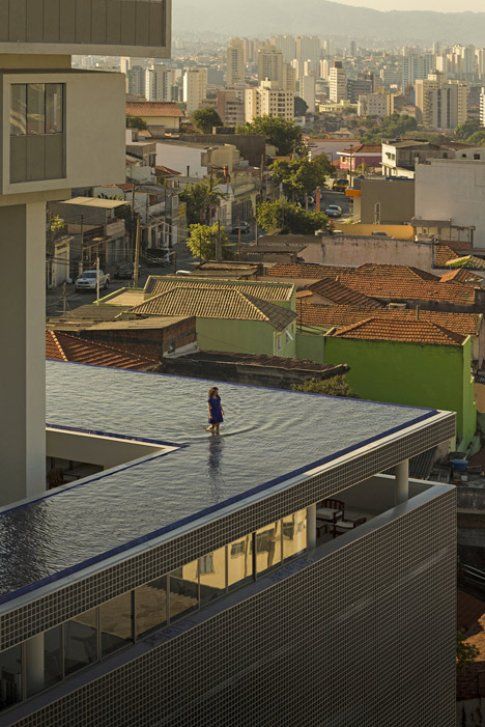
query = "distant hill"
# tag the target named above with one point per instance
(261, 18)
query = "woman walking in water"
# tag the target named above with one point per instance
(216, 412)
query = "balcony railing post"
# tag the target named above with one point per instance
(402, 482)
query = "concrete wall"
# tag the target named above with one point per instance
(232, 336)
(310, 345)
(94, 129)
(450, 188)
(343, 250)
(252, 147)
(394, 197)
(408, 373)
(106, 27)
(179, 156)
(105, 452)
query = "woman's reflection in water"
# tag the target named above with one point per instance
(216, 449)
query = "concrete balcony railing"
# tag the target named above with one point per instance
(115, 229)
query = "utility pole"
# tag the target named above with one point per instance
(219, 241)
(97, 276)
(136, 271)
(64, 297)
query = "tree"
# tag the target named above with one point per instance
(336, 386)
(135, 122)
(289, 218)
(200, 198)
(478, 138)
(205, 120)
(465, 653)
(286, 136)
(301, 106)
(301, 177)
(466, 130)
(391, 127)
(203, 241)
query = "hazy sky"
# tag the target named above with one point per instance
(442, 5)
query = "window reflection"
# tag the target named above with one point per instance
(36, 108)
(10, 676)
(18, 110)
(80, 641)
(212, 569)
(184, 590)
(240, 561)
(116, 621)
(268, 546)
(151, 606)
(54, 108)
(294, 533)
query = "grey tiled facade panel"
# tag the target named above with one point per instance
(364, 637)
(48, 611)
(92, 22)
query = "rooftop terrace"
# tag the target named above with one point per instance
(270, 436)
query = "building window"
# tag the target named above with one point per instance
(151, 606)
(116, 623)
(51, 642)
(81, 641)
(37, 109)
(37, 143)
(184, 590)
(240, 561)
(212, 574)
(10, 677)
(294, 533)
(268, 547)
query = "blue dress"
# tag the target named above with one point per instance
(215, 407)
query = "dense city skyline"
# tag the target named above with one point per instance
(449, 6)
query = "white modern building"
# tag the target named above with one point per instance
(375, 104)
(269, 99)
(337, 83)
(453, 190)
(195, 88)
(443, 104)
(306, 87)
(236, 66)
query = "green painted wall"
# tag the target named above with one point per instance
(407, 373)
(310, 344)
(233, 336)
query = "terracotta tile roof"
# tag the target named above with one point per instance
(460, 276)
(422, 332)
(153, 108)
(443, 253)
(263, 290)
(304, 270)
(393, 272)
(470, 262)
(336, 292)
(207, 301)
(465, 324)
(64, 347)
(363, 149)
(406, 290)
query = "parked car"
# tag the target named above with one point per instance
(124, 271)
(334, 210)
(88, 280)
(340, 185)
(244, 228)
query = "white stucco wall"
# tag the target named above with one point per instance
(452, 188)
(355, 251)
(180, 156)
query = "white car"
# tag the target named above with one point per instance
(87, 280)
(334, 210)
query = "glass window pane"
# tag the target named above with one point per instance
(294, 533)
(10, 676)
(80, 641)
(240, 561)
(212, 569)
(268, 546)
(116, 623)
(18, 111)
(151, 606)
(36, 108)
(184, 590)
(54, 108)
(52, 645)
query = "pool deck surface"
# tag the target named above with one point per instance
(269, 436)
